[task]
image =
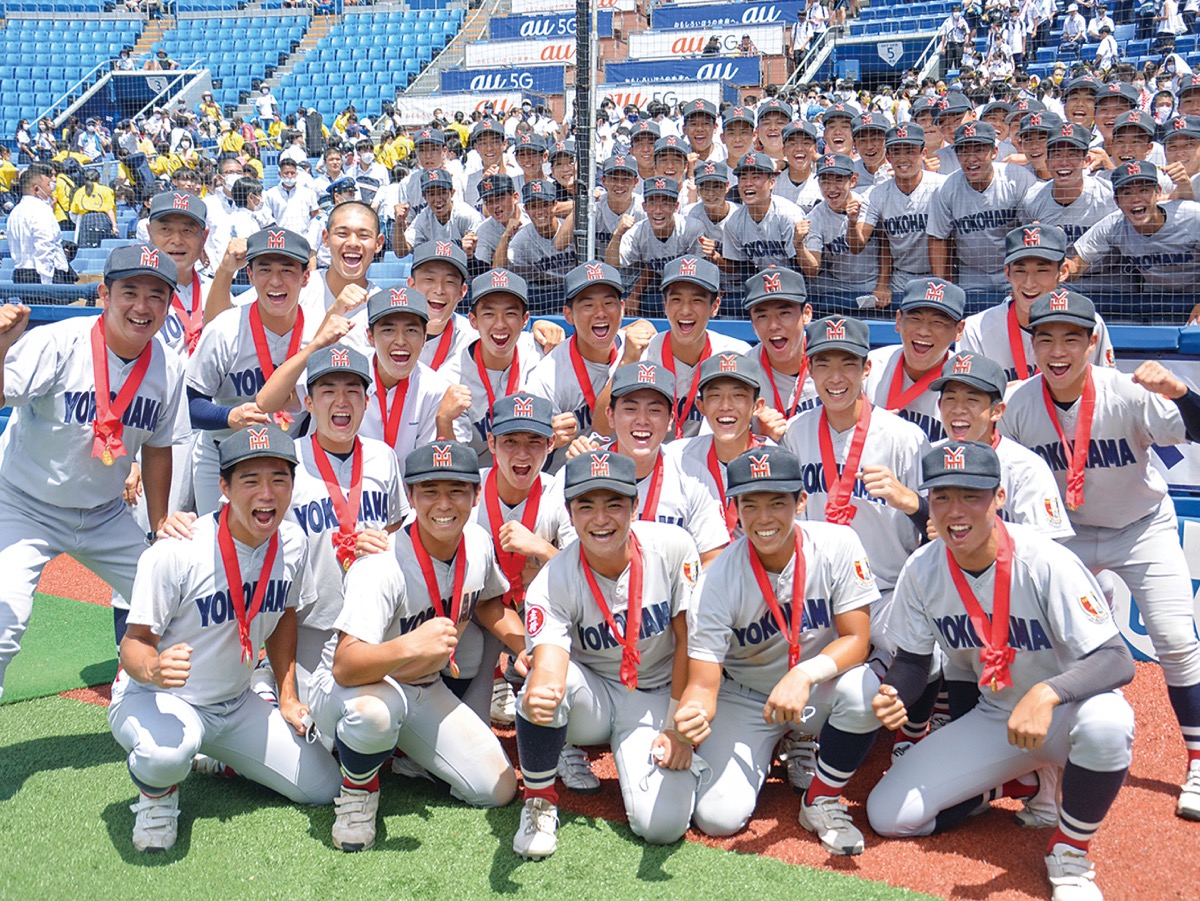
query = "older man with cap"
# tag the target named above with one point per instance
(194, 638)
(178, 226)
(586, 665)
(89, 394)
(390, 679)
(1048, 698)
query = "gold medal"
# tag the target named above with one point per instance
(283, 423)
(995, 687)
(347, 563)
(454, 670)
(106, 456)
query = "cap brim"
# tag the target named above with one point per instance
(617, 487)
(939, 383)
(901, 142)
(256, 455)
(439, 476)
(849, 347)
(1039, 253)
(531, 426)
(615, 285)
(1063, 317)
(140, 270)
(922, 304)
(960, 480)
(393, 311)
(309, 379)
(691, 280)
(451, 260)
(638, 386)
(489, 291)
(766, 486)
(706, 179)
(277, 252)
(195, 217)
(744, 377)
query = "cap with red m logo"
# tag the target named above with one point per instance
(339, 357)
(275, 240)
(962, 364)
(181, 202)
(149, 257)
(443, 456)
(954, 458)
(599, 466)
(760, 467)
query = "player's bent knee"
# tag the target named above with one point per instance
(895, 810)
(496, 793)
(161, 767)
(720, 815)
(659, 827)
(853, 691)
(369, 723)
(1180, 661)
(1102, 735)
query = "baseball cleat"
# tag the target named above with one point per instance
(403, 765)
(209, 766)
(1188, 805)
(900, 748)
(157, 821)
(799, 753)
(537, 836)
(1072, 876)
(354, 826)
(504, 704)
(576, 771)
(1041, 810)
(938, 721)
(829, 820)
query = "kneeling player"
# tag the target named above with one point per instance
(1051, 700)
(778, 636)
(602, 621)
(193, 639)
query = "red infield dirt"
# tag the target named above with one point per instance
(1143, 852)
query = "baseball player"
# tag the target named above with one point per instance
(778, 633)
(1155, 239)
(530, 154)
(691, 290)
(765, 230)
(541, 252)
(439, 272)
(239, 350)
(1117, 502)
(869, 131)
(603, 618)
(699, 125)
(838, 124)
(929, 321)
(178, 226)
(711, 213)
(88, 394)
(1181, 144)
(643, 395)
(1025, 618)
(778, 308)
(672, 159)
(502, 203)
(200, 612)
(380, 684)
(1033, 266)
(444, 218)
(737, 132)
(619, 180)
(1133, 138)
(1032, 132)
(487, 140)
(973, 211)
(773, 117)
(429, 147)
(899, 210)
(797, 183)
(642, 137)
(1070, 199)
(952, 111)
(833, 270)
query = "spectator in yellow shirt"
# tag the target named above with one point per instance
(8, 172)
(94, 197)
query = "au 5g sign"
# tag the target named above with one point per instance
(782, 12)
(739, 70)
(559, 25)
(536, 79)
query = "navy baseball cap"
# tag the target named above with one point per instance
(952, 104)
(838, 333)
(1071, 134)
(1136, 118)
(1134, 171)
(834, 164)
(140, 259)
(522, 413)
(436, 178)
(868, 122)
(277, 242)
(429, 136)
(442, 461)
(774, 105)
(1121, 91)
(802, 128)
(636, 376)
(343, 185)
(960, 464)
(934, 294)
(775, 283)
(839, 111)
(672, 144)
(700, 108)
(1082, 83)
(766, 469)
(562, 148)
(499, 281)
(500, 183)
(1024, 107)
(659, 186)
(595, 273)
(1044, 122)
(486, 127)
(179, 203)
(337, 358)
(743, 368)
(1002, 106)
(600, 470)
(696, 270)
(925, 104)
(442, 251)
(737, 114)
(755, 162)
(1044, 242)
(621, 163)
(400, 299)
(974, 133)
(710, 171)
(1181, 127)
(975, 370)
(643, 128)
(257, 441)
(1063, 306)
(540, 189)
(529, 141)
(908, 134)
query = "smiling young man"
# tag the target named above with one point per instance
(929, 321)
(765, 230)
(777, 638)
(382, 684)
(699, 125)
(540, 252)
(869, 131)
(835, 272)
(691, 298)
(201, 612)
(1050, 700)
(778, 308)
(711, 213)
(440, 272)
(603, 619)
(737, 132)
(88, 395)
(444, 218)
(502, 204)
(1033, 266)
(619, 180)
(773, 116)
(644, 249)
(239, 351)
(797, 182)
(1117, 501)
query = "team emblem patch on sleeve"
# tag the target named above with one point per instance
(1109, 358)
(862, 572)
(691, 571)
(1053, 510)
(535, 618)
(1093, 608)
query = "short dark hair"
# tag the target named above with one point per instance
(34, 172)
(355, 204)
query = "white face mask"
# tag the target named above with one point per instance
(288, 182)
(366, 158)
(231, 180)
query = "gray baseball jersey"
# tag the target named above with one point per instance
(692, 454)
(903, 218)
(1120, 486)
(465, 371)
(731, 287)
(554, 379)
(463, 220)
(806, 194)
(461, 335)
(684, 374)
(1169, 258)
(948, 160)
(684, 501)
(543, 266)
(979, 221)
(771, 241)
(473, 177)
(553, 522)
(868, 181)
(730, 624)
(1075, 218)
(1057, 612)
(786, 386)
(641, 249)
(172, 332)
(921, 412)
(49, 381)
(487, 239)
(607, 220)
(561, 612)
(1032, 493)
(841, 270)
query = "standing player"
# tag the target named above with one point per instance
(502, 204)
(1033, 266)
(778, 307)
(691, 290)
(765, 230)
(834, 271)
(711, 213)
(929, 321)
(89, 394)
(619, 180)
(1048, 699)
(797, 182)
(737, 132)
(586, 664)
(699, 125)
(178, 227)
(381, 684)
(444, 218)
(778, 635)
(194, 637)
(1117, 502)
(643, 249)
(541, 252)
(871, 165)
(773, 117)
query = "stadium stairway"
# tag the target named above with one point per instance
(475, 29)
(318, 28)
(151, 35)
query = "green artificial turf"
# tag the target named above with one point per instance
(65, 829)
(68, 645)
